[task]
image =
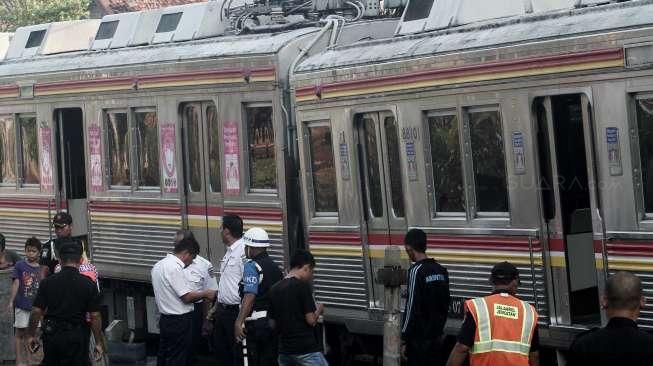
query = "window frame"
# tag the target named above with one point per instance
(435, 214)
(134, 169)
(246, 153)
(107, 156)
(472, 208)
(20, 158)
(17, 172)
(310, 182)
(636, 156)
(135, 148)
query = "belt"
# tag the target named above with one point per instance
(228, 306)
(177, 315)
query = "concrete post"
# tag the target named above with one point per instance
(392, 276)
(7, 349)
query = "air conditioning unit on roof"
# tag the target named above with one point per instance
(426, 15)
(116, 30)
(51, 38)
(5, 39)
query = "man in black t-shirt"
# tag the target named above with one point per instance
(294, 314)
(64, 299)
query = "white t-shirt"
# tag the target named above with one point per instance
(231, 273)
(201, 275)
(170, 284)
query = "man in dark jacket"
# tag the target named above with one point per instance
(620, 342)
(427, 304)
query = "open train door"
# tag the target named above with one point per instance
(377, 140)
(71, 166)
(202, 184)
(570, 205)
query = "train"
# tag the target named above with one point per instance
(518, 131)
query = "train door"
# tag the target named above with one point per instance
(202, 173)
(71, 166)
(377, 139)
(569, 200)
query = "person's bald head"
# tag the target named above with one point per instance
(623, 291)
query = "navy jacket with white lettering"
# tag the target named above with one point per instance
(427, 301)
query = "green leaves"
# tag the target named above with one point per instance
(18, 13)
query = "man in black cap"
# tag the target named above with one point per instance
(64, 299)
(62, 223)
(427, 304)
(620, 342)
(498, 329)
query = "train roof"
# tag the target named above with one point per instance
(216, 47)
(487, 34)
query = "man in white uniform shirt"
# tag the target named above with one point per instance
(201, 276)
(228, 298)
(175, 297)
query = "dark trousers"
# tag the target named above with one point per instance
(66, 347)
(224, 339)
(424, 352)
(175, 340)
(261, 343)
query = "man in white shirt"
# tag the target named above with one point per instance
(201, 276)
(175, 297)
(228, 298)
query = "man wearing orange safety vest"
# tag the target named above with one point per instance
(499, 329)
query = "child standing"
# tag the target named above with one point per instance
(26, 278)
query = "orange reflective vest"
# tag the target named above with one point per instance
(504, 329)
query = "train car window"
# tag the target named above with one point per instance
(147, 148)
(448, 185)
(323, 171)
(418, 9)
(193, 144)
(29, 149)
(35, 38)
(645, 129)
(392, 143)
(168, 22)
(373, 174)
(7, 150)
(489, 161)
(107, 30)
(117, 128)
(214, 147)
(260, 139)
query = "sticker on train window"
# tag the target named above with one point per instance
(344, 157)
(518, 152)
(614, 155)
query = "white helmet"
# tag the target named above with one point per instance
(256, 238)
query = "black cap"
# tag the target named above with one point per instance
(62, 219)
(504, 271)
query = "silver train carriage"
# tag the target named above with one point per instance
(166, 120)
(527, 138)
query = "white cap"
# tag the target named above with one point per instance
(256, 238)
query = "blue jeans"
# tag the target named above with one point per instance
(307, 359)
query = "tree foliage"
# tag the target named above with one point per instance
(18, 13)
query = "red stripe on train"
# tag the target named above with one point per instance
(204, 210)
(28, 203)
(630, 248)
(338, 238)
